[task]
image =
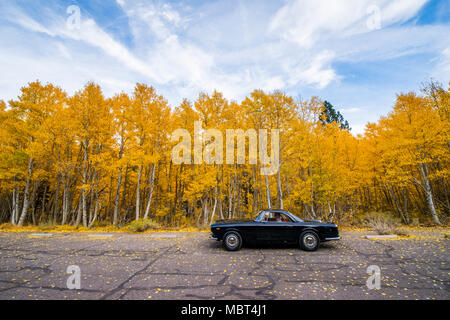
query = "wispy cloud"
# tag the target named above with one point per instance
(350, 110)
(310, 22)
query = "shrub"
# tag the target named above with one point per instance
(47, 225)
(142, 225)
(5, 226)
(401, 232)
(380, 222)
(415, 222)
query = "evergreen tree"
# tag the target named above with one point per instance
(329, 115)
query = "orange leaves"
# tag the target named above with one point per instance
(110, 150)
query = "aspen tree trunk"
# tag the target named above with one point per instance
(73, 213)
(195, 211)
(205, 209)
(56, 201)
(446, 193)
(95, 210)
(92, 191)
(330, 213)
(43, 201)
(66, 199)
(116, 200)
(33, 201)
(305, 207)
(397, 206)
(239, 198)
(149, 201)
(313, 212)
(235, 192)
(220, 196)
(405, 204)
(255, 192)
(426, 183)
(14, 207)
(230, 193)
(94, 203)
(279, 190)
(125, 185)
(215, 204)
(80, 209)
(26, 195)
(267, 188)
(83, 190)
(138, 192)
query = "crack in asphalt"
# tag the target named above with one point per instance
(120, 286)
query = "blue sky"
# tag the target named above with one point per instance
(357, 54)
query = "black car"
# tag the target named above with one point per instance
(274, 226)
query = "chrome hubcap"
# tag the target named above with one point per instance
(232, 240)
(309, 241)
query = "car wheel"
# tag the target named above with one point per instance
(309, 241)
(232, 241)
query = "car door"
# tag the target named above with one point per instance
(263, 229)
(283, 231)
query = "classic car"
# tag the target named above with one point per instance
(273, 226)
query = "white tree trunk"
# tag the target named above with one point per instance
(215, 204)
(15, 207)
(427, 188)
(26, 195)
(280, 191)
(138, 193)
(83, 190)
(149, 201)
(116, 200)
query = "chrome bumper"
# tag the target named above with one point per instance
(211, 237)
(332, 238)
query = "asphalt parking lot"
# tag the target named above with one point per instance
(190, 266)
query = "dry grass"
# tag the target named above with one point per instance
(45, 226)
(381, 223)
(142, 225)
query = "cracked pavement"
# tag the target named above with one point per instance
(190, 266)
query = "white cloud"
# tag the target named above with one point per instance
(350, 110)
(442, 70)
(28, 23)
(308, 22)
(159, 19)
(293, 46)
(64, 51)
(358, 128)
(317, 71)
(400, 10)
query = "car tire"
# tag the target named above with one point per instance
(309, 241)
(232, 241)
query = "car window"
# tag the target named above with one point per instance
(271, 216)
(282, 217)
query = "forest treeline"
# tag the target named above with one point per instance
(90, 160)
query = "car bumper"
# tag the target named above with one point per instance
(332, 238)
(212, 237)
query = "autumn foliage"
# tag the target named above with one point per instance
(90, 160)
